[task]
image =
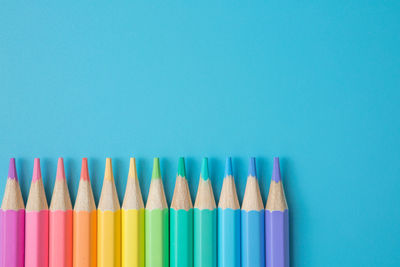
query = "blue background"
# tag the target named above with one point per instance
(317, 84)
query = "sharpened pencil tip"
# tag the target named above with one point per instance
(228, 167)
(108, 173)
(37, 173)
(85, 170)
(204, 169)
(181, 167)
(276, 172)
(132, 168)
(156, 169)
(12, 170)
(252, 167)
(60, 169)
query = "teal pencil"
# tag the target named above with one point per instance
(205, 222)
(181, 222)
(228, 221)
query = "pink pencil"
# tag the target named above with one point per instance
(37, 222)
(60, 233)
(12, 222)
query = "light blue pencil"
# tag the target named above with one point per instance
(252, 222)
(228, 221)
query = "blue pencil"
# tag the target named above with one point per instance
(228, 221)
(252, 222)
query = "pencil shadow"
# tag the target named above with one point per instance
(73, 176)
(287, 173)
(95, 166)
(167, 174)
(48, 169)
(142, 170)
(24, 174)
(191, 165)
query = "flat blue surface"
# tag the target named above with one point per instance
(317, 84)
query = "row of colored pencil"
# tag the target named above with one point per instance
(135, 235)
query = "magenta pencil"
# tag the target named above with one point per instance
(276, 222)
(37, 223)
(12, 222)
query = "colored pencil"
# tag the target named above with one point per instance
(156, 217)
(276, 222)
(205, 222)
(132, 216)
(181, 221)
(252, 222)
(12, 222)
(228, 221)
(85, 223)
(108, 222)
(60, 222)
(37, 222)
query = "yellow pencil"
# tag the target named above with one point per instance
(108, 223)
(132, 218)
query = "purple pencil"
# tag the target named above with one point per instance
(12, 222)
(276, 222)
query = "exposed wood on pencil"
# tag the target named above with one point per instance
(109, 197)
(12, 199)
(156, 198)
(205, 196)
(228, 197)
(37, 197)
(133, 195)
(276, 197)
(181, 199)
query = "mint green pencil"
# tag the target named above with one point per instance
(181, 222)
(156, 222)
(205, 222)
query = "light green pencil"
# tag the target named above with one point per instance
(181, 221)
(156, 218)
(205, 222)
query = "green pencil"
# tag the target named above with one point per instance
(205, 222)
(181, 222)
(156, 222)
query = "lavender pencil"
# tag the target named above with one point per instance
(276, 222)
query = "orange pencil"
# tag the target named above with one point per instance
(85, 223)
(60, 224)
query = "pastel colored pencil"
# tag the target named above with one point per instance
(37, 222)
(60, 222)
(12, 222)
(228, 221)
(132, 217)
(85, 223)
(108, 222)
(276, 222)
(156, 218)
(205, 222)
(181, 221)
(252, 222)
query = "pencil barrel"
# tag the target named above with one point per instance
(37, 238)
(205, 238)
(228, 237)
(85, 239)
(277, 238)
(108, 238)
(157, 235)
(12, 238)
(60, 238)
(132, 238)
(252, 239)
(181, 238)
